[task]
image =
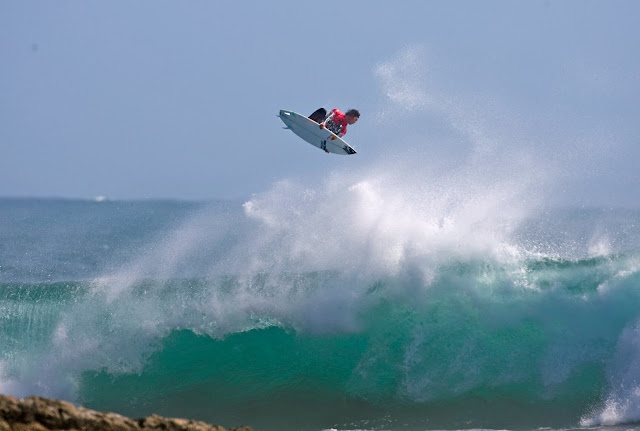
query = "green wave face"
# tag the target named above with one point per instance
(482, 344)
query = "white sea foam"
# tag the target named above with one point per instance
(622, 404)
(355, 229)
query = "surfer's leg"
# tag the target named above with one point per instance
(319, 115)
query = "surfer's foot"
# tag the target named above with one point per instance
(326, 151)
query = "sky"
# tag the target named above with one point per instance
(178, 100)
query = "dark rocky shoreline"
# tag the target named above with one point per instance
(42, 414)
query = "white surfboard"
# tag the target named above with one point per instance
(311, 132)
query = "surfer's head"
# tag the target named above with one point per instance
(352, 116)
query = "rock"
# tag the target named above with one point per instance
(43, 414)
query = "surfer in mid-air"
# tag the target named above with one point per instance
(320, 136)
(336, 121)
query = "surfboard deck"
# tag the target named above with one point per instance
(311, 132)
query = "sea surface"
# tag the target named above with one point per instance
(315, 309)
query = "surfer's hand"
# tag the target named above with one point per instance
(322, 126)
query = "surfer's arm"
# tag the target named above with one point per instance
(324, 123)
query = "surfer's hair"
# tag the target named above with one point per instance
(353, 113)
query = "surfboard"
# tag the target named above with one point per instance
(311, 132)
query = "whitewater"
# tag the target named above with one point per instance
(283, 312)
(405, 294)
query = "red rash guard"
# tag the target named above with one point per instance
(337, 123)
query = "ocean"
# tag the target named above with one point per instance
(318, 308)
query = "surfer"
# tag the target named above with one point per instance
(307, 129)
(336, 121)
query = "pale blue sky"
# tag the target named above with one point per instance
(160, 99)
